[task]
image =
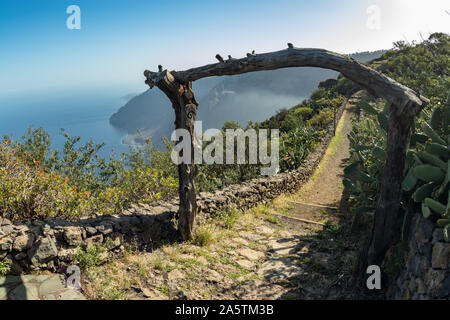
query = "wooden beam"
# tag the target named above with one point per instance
(374, 82)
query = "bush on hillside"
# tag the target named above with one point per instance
(36, 183)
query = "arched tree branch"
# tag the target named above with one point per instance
(374, 82)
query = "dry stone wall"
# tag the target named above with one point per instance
(51, 244)
(426, 273)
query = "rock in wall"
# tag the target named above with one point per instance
(426, 273)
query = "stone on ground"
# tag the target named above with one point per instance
(37, 287)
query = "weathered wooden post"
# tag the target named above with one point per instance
(185, 107)
(387, 221)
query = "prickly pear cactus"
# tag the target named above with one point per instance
(427, 173)
(367, 157)
(429, 170)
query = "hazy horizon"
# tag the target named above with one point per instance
(118, 40)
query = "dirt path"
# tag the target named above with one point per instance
(320, 197)
(307, 260)
(288, 250)
(325, 185)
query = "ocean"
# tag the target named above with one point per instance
(81, 113)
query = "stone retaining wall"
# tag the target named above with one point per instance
(426, 273)
(51, 244)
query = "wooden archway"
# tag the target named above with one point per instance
(405, 105)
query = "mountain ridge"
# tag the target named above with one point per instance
(252, 96)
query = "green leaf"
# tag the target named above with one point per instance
(411, 158)
(431, 133)
(431, 159)
(418, 138)
(436, 119)
(380, 130)
(379, 153)
(436, 206)
(383, 120)
(349, 185)
(446, 116)
(352, 135)
(438, 150)
(440, 191)
(429, 173)
(351, 167)
(359, 147)
(410, 181)
(366, 178)
(426, 212)
(443, 222)
(423, 191)
(367, 107)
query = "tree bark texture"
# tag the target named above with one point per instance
(185, 107)
(387, 221)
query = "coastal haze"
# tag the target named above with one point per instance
(55, 77)
(243, 98)
(120, 120)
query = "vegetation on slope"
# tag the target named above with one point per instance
(37, 182)
(424, 67)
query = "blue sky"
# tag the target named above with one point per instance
(119, 39)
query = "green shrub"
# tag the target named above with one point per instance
(203, 236)
(296, 145)
(4, 268)
(36, 182)
(29, 191)
(304, 112)
(319, 94)
(89, 257)
(321, 119)
(346, 86)
(229, 218)
(367, 144)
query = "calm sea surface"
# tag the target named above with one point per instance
(84, 114)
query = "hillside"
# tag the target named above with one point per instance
(301, 245)
(226, 98)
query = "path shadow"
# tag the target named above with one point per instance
(14, 288)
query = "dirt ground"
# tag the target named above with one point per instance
(324, 187)
(298, 247)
